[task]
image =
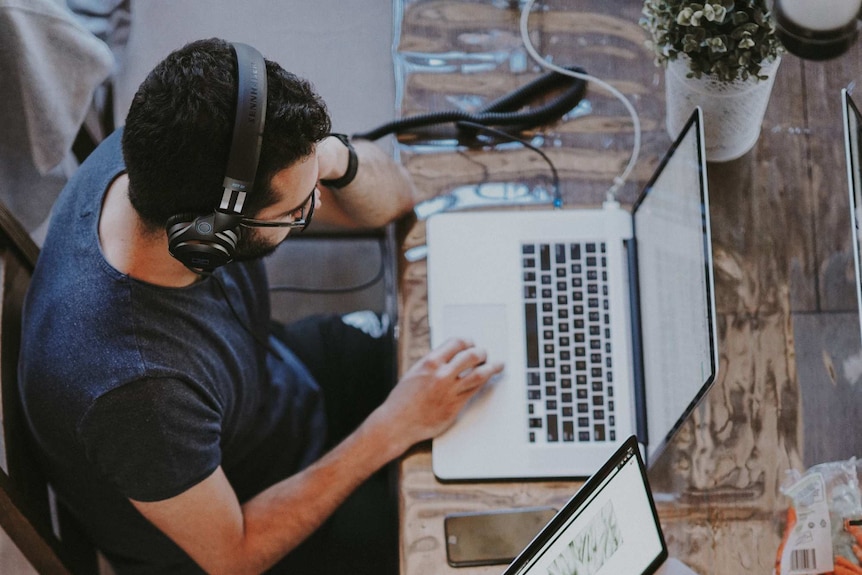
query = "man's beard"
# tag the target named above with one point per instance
(251, 246)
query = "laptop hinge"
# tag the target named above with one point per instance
(630, 246)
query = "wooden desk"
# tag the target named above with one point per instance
(788, 326)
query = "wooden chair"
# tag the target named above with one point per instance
(46, 535)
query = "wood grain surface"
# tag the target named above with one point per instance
(781, 241)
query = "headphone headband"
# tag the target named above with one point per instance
(249, 120)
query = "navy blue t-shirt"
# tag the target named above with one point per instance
(138, 391)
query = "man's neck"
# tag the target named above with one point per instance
(131, 248)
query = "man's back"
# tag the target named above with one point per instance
(139, 391)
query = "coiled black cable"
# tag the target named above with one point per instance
(505, 111)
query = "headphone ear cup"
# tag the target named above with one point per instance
(202, 242)
(174, 222)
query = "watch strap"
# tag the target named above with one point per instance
(352, 165)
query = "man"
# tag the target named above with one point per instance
(179, 431)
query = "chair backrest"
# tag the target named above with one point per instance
(42, 530)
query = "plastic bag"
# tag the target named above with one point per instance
(824, 526)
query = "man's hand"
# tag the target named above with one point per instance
(224, 536)
(428, 398)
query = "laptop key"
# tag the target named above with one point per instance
(532, 325)
(552, 428)
(599, 430)
(545, 256)
(568, 430)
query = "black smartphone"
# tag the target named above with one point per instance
(492, 537)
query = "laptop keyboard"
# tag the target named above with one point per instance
(570, 394)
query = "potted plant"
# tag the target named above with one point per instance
(721, 55)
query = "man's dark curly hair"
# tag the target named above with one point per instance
(177, 134)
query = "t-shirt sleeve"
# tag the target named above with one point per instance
(153, 438)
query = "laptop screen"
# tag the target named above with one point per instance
(674, 271)
(609, 526)
(852, 127)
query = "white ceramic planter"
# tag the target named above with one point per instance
(733, 111)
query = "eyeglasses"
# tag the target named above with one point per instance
(301, 222)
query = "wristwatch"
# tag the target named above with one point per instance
(352, 165)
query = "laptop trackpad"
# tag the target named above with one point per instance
(484, 324)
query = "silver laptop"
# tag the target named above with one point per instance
(609, 526)
(604, 319)
(852, 130)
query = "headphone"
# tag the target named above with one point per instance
(208, 241)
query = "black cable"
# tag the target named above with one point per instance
(558, 198)
(381, 271)
(503, 111)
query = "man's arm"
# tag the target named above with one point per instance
(223, 536)
(381, 191)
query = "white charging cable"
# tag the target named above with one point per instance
(619, 180)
